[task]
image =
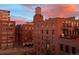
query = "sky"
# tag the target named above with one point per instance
(22, 13)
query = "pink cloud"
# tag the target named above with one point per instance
(60, 10)
(19, 20)
(51, 10)
(56, 10)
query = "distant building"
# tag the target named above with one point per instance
(69, 38)
(50, 36)
(4, 15)
(24, 37)
(55, 35)
(7, 30)
(43, 33)
(18, 42)
(38, 17)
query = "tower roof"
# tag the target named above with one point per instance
(38, 7)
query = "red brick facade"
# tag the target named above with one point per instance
(7, 30)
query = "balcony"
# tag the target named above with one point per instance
(69, 36)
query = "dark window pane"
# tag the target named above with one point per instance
(73, 50)
(47, 31)
(52, 31)
(61, 47)
(67, 49)
(42, 31)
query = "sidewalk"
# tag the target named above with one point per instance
(14, 51)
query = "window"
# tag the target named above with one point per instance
(42, 37)
(11, 24)
(4, 41)
(52, 31)
(4, 37)
(78, 32)
(77, 24)
(63, 24)
(65, 32)
(4, 32)
(3, 44)
(26, 28)
(10, 32)
(42, 31)
(72, 23)
(10, 43)
(46, 31)
(11, 37)
(10, 28)
(47, 45)
(30, 28)
(4, 23)
(67, 49)
(61, 47)
(73, 50)
(70, 32)
(10, 40)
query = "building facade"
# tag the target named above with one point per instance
(7, 30)
(4, 15)
(26, 32)
(43, 33)
(70, 36)
(55, 35)
(48, 36)
(25, 37)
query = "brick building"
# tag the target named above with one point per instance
(55, 35)
(7, 30)
(43, 33)
(69, 39)
(24, 37)
(49, 36)
(4, 15)
(26, 32)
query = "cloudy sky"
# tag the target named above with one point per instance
(25, 12)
